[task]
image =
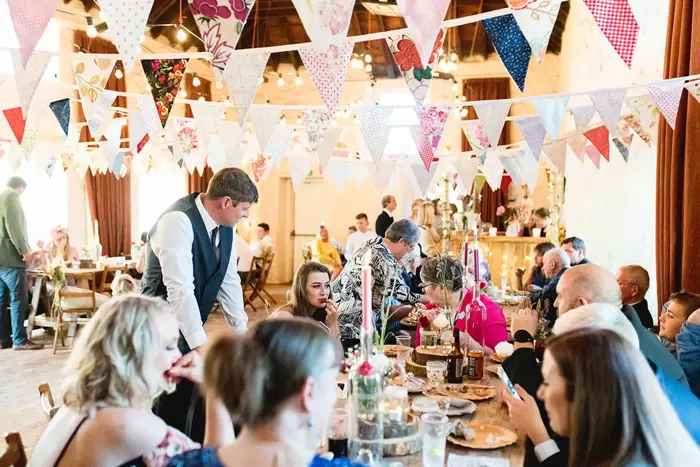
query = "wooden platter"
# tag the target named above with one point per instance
(499, 437)
(472, 392)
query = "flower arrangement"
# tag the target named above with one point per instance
(56, 275)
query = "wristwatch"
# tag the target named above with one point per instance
(523, 336)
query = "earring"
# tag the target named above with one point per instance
(310, 423)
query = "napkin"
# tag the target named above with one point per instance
(475, 461)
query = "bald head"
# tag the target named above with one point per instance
(555, 261)
(584, 284)
(634, 283)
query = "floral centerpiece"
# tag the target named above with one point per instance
(433, 323)
(56, 275)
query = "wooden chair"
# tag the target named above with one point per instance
(75, 315)
(47, 403)
(14, 454)
(106, 287)
(259, 279)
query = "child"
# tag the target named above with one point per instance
(124, 284)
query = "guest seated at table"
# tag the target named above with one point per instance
(680, 306)
(688, 350)
(429, 237)
(279, 383)
(325, 252)
(535, 278)
(124, 284)
(600, 393)
(442, 278)
(555, 263)
(142, 253)
(311, 297)
(576, 249)
(124, 358)
(634, 284)
(539, 219)
(60, 246)
(245, 257)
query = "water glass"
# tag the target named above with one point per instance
(403, 339)
(437, 371)
(434, 433)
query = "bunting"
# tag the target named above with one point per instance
(164, 77)
(578, 145)
(216, 158)
(326, 21)
(609, 105)
(424, 21)
(61, 110)
(317, 122)
(110, 147)
(556, 153)
(375, 129)
(207, 115)
(243, 79)
(511, 45)
(534, 133)
(600, 138)
(231, 135)
(299, 167)
(694, 89)
(423, 176)
(645, 117)
(617, 22)
(327, 148)
(380, 175)
(476, 135)
(466, 169)
(328, 71)
(28, 143)
(279, 142)
(30, 19)
(91, 76)
(138, 136)
(102, 114)
(17, 122)
(427, 136)
(127, 21)
(264, 120)
(536, 20)
(667, 96)
(520, 167)
(622, 149)
(149, 115)
(27, 78)
(593, 154)
(492, 168)
(493, 116)
(583, 114)
(552, 111)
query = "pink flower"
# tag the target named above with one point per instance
(365, 368)
(500, 211)
(216, 46)
(210, 9)
(241, 8)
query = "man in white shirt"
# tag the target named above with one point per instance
(245, 257)
(265, 242)
(359, 237)
(191, 262)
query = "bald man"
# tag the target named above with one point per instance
(634, 284)
(589, 283)
(555, 262)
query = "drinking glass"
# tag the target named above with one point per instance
(403, 339)
(337, 433)
(437, 370)
(403, 354)
(434, 433)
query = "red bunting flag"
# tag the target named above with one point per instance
(16, 121)
(600, 138)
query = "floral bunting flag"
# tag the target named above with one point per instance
(424, 21)
(17, 122)
(260, 167)
(418, 78)
(645, 117)
(375, 129)
(556, 153)
(127, 21)
(423, 176)
(186, 136)
(299, 167)
(583, 114)
(667, 95)
(623, 139)
(27, 78)
(492, 168)
(164, 77)
(220, 23)
(243, 79)
(327, 148)
(264, 119)
(476, 135)
(511, 45)
(466, 169)
(207, 115)
(600, 138)
(279, 142)
(617, 22)
(317, 122)
(61, 110)
(427, 136)
(694, 89)
(493, 116)
(552, 111)
(102, 114)
(609, 105)
(30, 19)
(534, 133)
(231, 135)
(536, 19)
(325, 21)
(328, 71)
(91, 76)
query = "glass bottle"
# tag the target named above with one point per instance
(455, 360)
(476, 325)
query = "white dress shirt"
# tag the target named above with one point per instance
(245, 254)
(265, 242)
(355, 240)
(172, 244)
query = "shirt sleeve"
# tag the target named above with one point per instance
(546, 450)
(172, 244)
(17, 225)
(231, 294)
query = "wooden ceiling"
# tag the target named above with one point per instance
(276, 22)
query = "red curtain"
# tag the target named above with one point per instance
(196, 182)
(677, 191)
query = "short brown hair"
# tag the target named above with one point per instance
(361, 216)
(687, 300)
(234, 183)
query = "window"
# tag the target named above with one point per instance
(158, 189)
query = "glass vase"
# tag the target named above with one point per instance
(428, 338)
(366, 419)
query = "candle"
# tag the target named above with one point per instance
(476, 266)
(367, 314)
(466, 253)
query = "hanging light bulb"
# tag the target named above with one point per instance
(463, 112)
(299, 122)
(91, 31)
(280, 80)
(201, 99)
(368, 68)
(227, 102)
(356, 63)
(219, 85)
(283, 120)
(181, 34)
(183, 93)
(298, 81)
(118, 74)
(453, 56)
(454, 87)
(124, 121)
(368, 58)
(195, 81)
(345, 113)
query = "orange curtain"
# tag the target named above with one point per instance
(478, 89)
(677, 192)
(196, 182)
(109, 199)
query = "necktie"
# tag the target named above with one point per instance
(214, 233)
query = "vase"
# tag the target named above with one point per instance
(428, 338)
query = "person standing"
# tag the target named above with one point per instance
(386, 217)
(191, 261)
(356, 239)
(14, 254)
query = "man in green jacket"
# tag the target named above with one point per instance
(14, 253)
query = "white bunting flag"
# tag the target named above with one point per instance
(534, 132)
(27, 78)
(127, 21)
(102, 114)
(583, 114)
(512, 162)
(476, 135)
(299, 167)
(216, 158)
(30, 20)
(340, 172)
(328, 71)
(327, 147)
(137, 131)
(380, 175)
(243, 79)
(552, 111)
(667, 96)
(492, 168)
(207, 115)
(149, 113)
(424, 20)
(91, 75)
(609, 105)
(110, 148)
(374, 124)
(423, 176)
(692, 87)
(536, 22)
(231, 135)
(466, 169)
(493, 116)
(325, 22)
(277, 147)
(556, 153)
(265, 120)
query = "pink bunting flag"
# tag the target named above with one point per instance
(667, 96)
(30, 19)
(476, 135)
(328, 71)
(17, 122)
(600, 138)
(427, 136)
(594, 155)
(424, 20)
(493, 115)
(326, 21)
(617, 22)
(578, 145)
(556, 153)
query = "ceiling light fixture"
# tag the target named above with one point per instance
(298, 81)
(280, 80)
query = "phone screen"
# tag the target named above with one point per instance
(506, 380)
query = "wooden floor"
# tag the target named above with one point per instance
(22, 372)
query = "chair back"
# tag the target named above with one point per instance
(266, 268)
(47, 403)
(14, 454)
(106, 287)
(90, 293)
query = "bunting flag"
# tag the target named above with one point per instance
(216, 158)
(207, 115)
(61, 110)
(667, 96)
(27, 78)
(536, 20)
(380, 175)
(127, 20)
(325, 22)
(102, 114)
(149, 114)
(327, 148)
(511, 46)
(186, 136)
(521, 167)
(466, 169)
(279, 142)
(243, 79)
(476, 135)
(418, 78)
(117, 165)
(299, 167)
(138, 136)
(427, 136)
(617, 22)
(375, 129)
(556, 153)
(492, 168)
(91, 75)
(220, 23)
(578, 145)
(164, 77)
(692, 87)
(328, 71)
(623, 139)
(17, 122)
(593, 154)
(231, 135)
(645, 117)
(28, 143)
(534, 133)
(552, 111)
(110, 147)
(479, 182)
(600, 138)
(316, 122)
(30, 20)
(623, 150)
(423, 176)
(493, 116)
(341, 172)
(583, 114)
(264, 119)
(424, 21)
(609, 105)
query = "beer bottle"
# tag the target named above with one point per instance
(455, 360)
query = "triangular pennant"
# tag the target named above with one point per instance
(424, 21)
(186, 137)
(583, 114)
(577, 145)
(380, 175)
(91, 75)
(593, 154)
(476, 135)
(116, 166)
(552, 111)
(61, 110)
(375, 129)
(264, 119)
(127, 20)
(138, 137)
(30, 20)
(693, 88)
(110, 148)
(325, 151)
(51, 165)
(17, 122)
(467, 168)
(667, 96)
(479, 182)
(28, 143)
(645, 117)
(624, 150)
(609, 105)
(279, 142)
(326, 23)
(405, 53)
(492, 168)
(536, 21)
(149, 114)
(511, 46)
(164, 77)
(207, 115)
(27, 78)
(512, 162)
(617, 22)
(316, 122)
(556, 153)
(493, 116)
(299, 167)
(534, 133)
(600, 138)
(231, 136)
(339, 172)
(328, 71)
(260, 167)
(432, 121)
(220, 23)
(423, 176)
(216, 158)
(102, 114)
(243, 79)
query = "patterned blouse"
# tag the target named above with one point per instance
(387, 282)
(208, 457)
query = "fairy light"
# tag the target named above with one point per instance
(183, 93)
(262, 80)
(368, 58)
(453, 56)
(368, 68)
(118, 74)
(454, 87)
(181, 34)
(283, 120)
(298, 81)
(370, 88)
(463, 113)
(201, 99)
(299, 122)
(196, 82)
(280, 80)
(91, 31)
(219, 85)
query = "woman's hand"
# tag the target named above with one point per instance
(189, 366)
(332, 313)
(525, 415)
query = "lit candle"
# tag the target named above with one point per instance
(367, 314)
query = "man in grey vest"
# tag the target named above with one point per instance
(191, 262)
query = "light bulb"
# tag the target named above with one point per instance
(345, 113)
(280, 81)
(196, 82)
(118, 74)
(91, 31)
(124, 121)
(368, 68)
(463, 112)
(183, 93)
(356, 63)
(454, 87)
(181, 35)
(201, 99)
(368, 58)
(453, 57)
(457, 112)
(283, 120)
(299, 122)
(298, 81)
(227, 102)
(219, 85)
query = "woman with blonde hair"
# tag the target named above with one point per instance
(324, 251)
(429, 237)
(124, 358)
(60, 245)
(124, 284)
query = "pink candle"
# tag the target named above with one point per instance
(476, 267)
(367, 314)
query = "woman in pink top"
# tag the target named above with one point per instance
(442, 279)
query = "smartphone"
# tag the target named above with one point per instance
(506, 380)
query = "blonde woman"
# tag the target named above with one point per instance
(429, 237)
(124, 284)
(125, 358)
(60, 245)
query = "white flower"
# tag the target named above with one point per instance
(440, 321)
(381, 362)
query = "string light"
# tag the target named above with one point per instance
(195, 81)
(299, 122)
(454, 87)
(298, 81)
(368, 58)
(356, 62)
(453, 56)
(280, 80)
(463, 113)
(368, 68)
(118, 74)
(201, 99)
(181, 34)
(91, 31)
(183, 93)
(283, 120)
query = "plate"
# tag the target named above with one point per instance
(466, 391)
(496, 357)
(500, 437)
(414, 388)
(458, 412)
(492, 368)
(408, 322)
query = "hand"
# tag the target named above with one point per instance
(40, 245)
(332, 312)
(189, 366)
(694, 317)
(525, 415)
(524, 319)
(533, 288)
(27, 257)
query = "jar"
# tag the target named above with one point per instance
(395, 405)
(428, 338)
(437, 371)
